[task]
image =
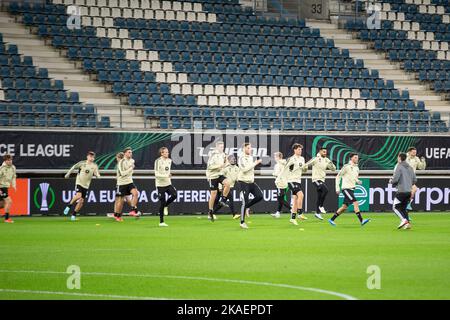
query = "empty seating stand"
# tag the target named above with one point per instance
(31, 99)
(216, 64)
(416, 33)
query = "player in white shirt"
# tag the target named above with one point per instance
(246, 180)
(349, 175)
(125, 186)
(319, 166)
(417, 163)
(214, 174)
(282, 186)
(292, 174)
(231, 173)
(163, 183)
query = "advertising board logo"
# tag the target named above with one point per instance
(47, 199)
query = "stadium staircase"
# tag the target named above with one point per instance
(74, 78)
(389, 70)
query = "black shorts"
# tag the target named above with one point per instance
(214, 183)
(162, 191)
(249, 188)
(125, 190)
(295, 187)
(81, 190)
(349, 196)
(3, 193)
(402, 199)
(320, 185)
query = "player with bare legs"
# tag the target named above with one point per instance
(292, 174)
(349, 175)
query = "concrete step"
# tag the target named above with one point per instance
(6, 19)
(8, 25)
(99, 101)
(20, 40)
(97, 95)
(46, 59)
(68, 71)
(16, 35)
(351, 41)
(368, 55)
(126, 123)
(321, 25)
(379, 66)
(33, 48)
(79, 83)
(395, 72)
(81, 89)
(6, 29)
(429, 93)
(393, 75)
(117, 110)
(57, 74)
(349, 44)
(332, 31)
(425, 97)
(54, 65)
(336, 36)
(133, 125)
(410, 84)
(435, 104)
(40, 54)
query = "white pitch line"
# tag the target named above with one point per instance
(76, 294)
(257, 283)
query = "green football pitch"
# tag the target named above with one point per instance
(197, 259)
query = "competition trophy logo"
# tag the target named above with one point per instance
(47, 197)
(44, 191)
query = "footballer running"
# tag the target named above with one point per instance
(86, 170)
(163, 184)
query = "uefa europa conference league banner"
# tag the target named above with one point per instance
(60, 150)
(49, 196)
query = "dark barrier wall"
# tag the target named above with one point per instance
(59, 150)
(374, 195)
